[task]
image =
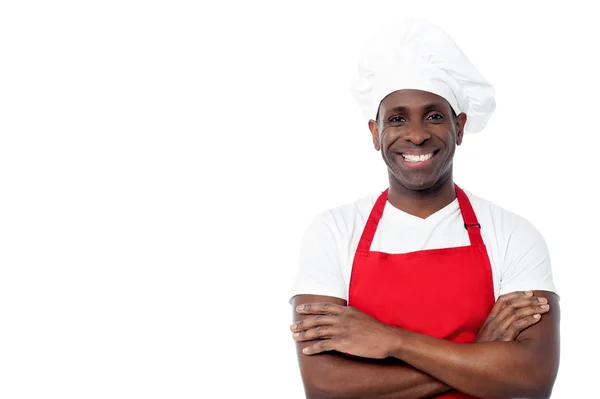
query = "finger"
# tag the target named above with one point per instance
(515, 328)
(521, 302)
(313, 321)
(321, 346)
(512, 315)
(320, 308)
(514, 308)
(516, 302)
(502, 299)
(320, 332)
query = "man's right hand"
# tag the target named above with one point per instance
(512, 314)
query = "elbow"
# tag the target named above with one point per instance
(545, 390)
(537, 379)
(538, 393)
(535, 388)
(319, 394)
(545, 394)
(541, 392)
(319, 388)
(326, 384)
(545, 382)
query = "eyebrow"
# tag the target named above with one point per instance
(428, 107)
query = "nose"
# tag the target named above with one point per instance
(417, 135)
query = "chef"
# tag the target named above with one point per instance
(424, 289)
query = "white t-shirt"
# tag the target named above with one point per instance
(518, 253)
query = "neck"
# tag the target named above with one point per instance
(421, 203)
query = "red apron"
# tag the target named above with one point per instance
(445, 293)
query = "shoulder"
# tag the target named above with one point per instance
(337, 227)
(498, 218)
(523, 258)
(347, 216)
(322, 265)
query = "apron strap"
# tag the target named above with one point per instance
(364, 245)
(469, 218)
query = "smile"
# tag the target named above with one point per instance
(419, 157)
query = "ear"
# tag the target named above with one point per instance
(374, 128)
(461, 121)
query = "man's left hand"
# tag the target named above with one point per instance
(343, 329)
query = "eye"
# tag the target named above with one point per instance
(396, 119)
(436, 117)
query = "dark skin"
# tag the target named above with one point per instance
(516, 353)
(419, 122)
(372, 372)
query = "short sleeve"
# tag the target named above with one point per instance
(319, 267)
(526, 263)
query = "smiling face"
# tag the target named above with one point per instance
(417, 134)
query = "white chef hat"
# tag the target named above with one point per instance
(416, 54)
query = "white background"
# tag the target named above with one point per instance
(159, 162)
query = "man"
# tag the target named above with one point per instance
(425, 289)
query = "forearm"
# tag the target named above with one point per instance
(331, 376)
(489, 369)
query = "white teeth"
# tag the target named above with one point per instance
(417, 158)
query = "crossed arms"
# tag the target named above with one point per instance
(515, 355)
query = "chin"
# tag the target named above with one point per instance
(411, 181)
(415, 185)
(428, 179)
